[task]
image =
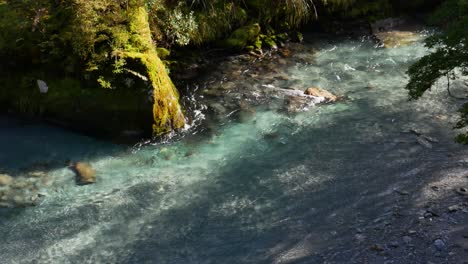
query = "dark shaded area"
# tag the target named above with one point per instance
(28, 145)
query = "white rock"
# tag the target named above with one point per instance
(43, 88)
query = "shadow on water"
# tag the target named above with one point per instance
(289, 202)
(296, 221)
(27, 146)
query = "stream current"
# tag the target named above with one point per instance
(268, 186)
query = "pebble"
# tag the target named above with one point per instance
(21, 184)
(394, 244)
(453, 208)
(429, 214)
(360, 237)
(430, 139)
(424, 143)
(377, 248)
(5, 180)
(439, 244)
(407, 239)
(400, 192)
(37, 174)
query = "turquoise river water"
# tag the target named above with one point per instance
(268, 186)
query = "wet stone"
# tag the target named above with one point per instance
(360, 237)
(407, 239)
(453, 208)
(319, 92)
(394, 244)
(5, 180)
(439, 244)
(21, 184)
(37, 174)
(429, 214)
(85, 173)
(377, 248)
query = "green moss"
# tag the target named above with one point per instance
(297, 37)
(257, 44)
(163, 53)
(167, 112)
(282, 37)
(111, 47)
(243, 36)
(269, 43)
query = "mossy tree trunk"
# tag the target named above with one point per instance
(133, 45)
(167, 112)
(102, 43)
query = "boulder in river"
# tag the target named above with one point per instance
(5, 180)
(319, 92)
(85, 174)
(396, 32)
(393, 39)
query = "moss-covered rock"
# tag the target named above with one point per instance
(244, 36)
(269, 43)
(258, 44)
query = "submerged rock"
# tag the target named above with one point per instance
(85, 174)
(243, 36)
(319, 92)
(5, 180)
(393, 39)
(396, 32)
(22, 192)
(439, 244)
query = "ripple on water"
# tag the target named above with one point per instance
(269, 187)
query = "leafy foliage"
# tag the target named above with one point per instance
(450, 54)
(450, 49)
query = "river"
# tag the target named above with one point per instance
(262, 185)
